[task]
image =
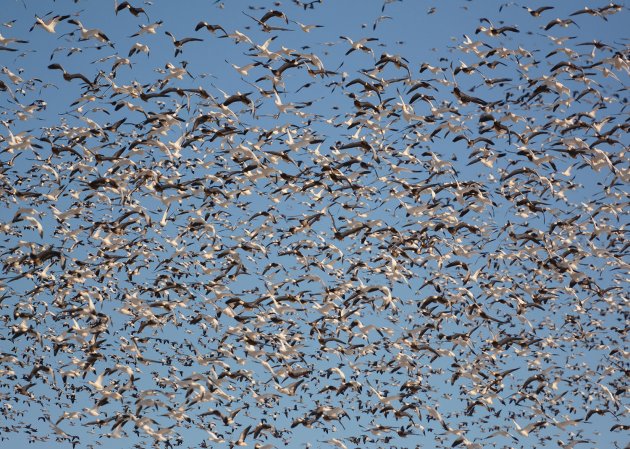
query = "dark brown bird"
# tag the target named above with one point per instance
(132, 9)
(465, 98)
(212, 28)
(273, 13)
(71, 76)
(242, 98)
(180, 43)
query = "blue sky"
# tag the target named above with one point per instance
(486, 277)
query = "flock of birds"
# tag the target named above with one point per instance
(356, 249)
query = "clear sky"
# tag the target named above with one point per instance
(323, 224)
